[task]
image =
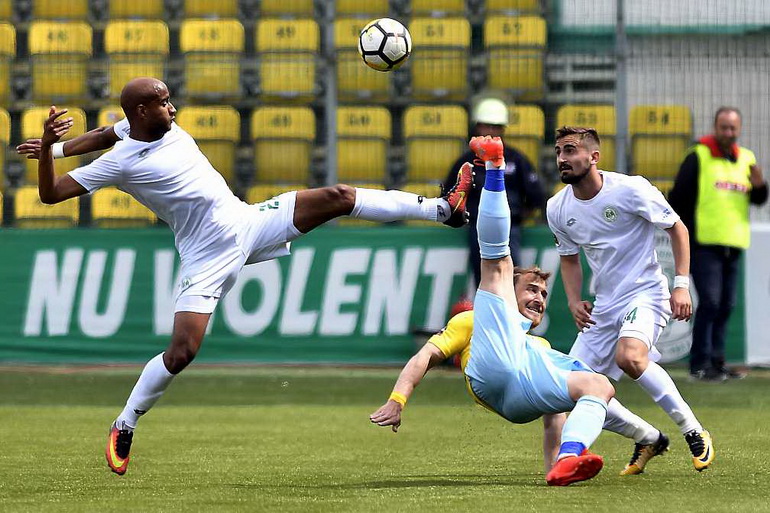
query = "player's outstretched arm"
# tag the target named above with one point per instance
(53, 189)
(681, 303)
(389, 414)
(572, 277)
(552, 427)
(98, 139)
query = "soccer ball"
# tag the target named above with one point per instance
(384, 44)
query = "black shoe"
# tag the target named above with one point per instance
(731, 373)
(708, 375)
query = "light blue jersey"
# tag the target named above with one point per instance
(515, 376)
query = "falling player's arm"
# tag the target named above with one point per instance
(98, 139)
(681, 303)
(53, 189)
(552, 427)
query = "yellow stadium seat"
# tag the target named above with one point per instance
(60, 52)
(354, 79)
(30, 212)
(363, 134)
(423, 7)
(515, 48)
(429, 190)
(217, 131)
(56, 9)
(7, 55)
(5, 138)
(361, 223)
(525, 131)
(507, 6)
(287, 51)
(212, 53)
(150, 9)
(111, 208)
(372, 8)
(284, 7)
(260, 193)
(600, 117)
(664, 186)
(110, 115)
(435, 138)
(32, 127)
(439, 63)
(660, 136)
(283, 143)
(135, 49)
(201, 8)
(6, 9)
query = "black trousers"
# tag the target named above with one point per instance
(715, 275)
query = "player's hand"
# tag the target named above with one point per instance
(30, 148)
(55, 126)
(389, 414)
(681, 304)
(581, 312)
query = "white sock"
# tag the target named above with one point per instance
(624, 422)
(583, 425)
(389, 206)
(151, 384)
(656, 382)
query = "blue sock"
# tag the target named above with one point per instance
(494, 221)
(494, 180)
(568, 448)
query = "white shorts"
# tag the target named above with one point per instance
(643, 318)
(265, 233)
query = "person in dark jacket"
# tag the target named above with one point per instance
(717, 182)
(524, 189)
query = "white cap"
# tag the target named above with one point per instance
(490, 111)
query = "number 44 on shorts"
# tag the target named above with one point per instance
(630, 316)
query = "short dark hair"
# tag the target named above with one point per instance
(721, 110)
(584, 133)
(521, 271)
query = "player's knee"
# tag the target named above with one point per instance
(601, 387)
(181, 353)
(631, 359)
(343, 197)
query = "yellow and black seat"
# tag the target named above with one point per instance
(525, 131)
(135, 49)
(32, 127)
(217, 131)
(439, 63)
(212, 52)
(660, 136)
(515, 47)
(283, 144)
(60, 52)
(287, 51)
(436, 136)
(363, 137)
(30, 212)
(111, 208)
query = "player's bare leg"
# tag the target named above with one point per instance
(186, 340)
(632, 355)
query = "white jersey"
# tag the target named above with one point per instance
(174, 179)
(616, 229)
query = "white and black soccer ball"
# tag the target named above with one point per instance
(384, 44)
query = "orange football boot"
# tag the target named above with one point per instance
(118, 448)
(488, 149)
(574, 468)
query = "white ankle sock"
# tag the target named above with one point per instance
(584, 423)
(151, 384)
(624, 422)
(656, 382)
(389, 206)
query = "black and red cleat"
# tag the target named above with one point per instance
(457, 197)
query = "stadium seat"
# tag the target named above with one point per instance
(30, 212)
(515, 47)
(429, 190)
(287, 52)
(429, 7)
(435, 137)
(148, 9)
(32, 121)
(56, 9)
(111, 208)
(260, 193)
(286, 7)
(5, 138)
(363, 137)
(217, 131)
(6, 9)
(135, 49)
(7, 55)
(508, 6)
(212, 53)
(109, 115)
(660, 136)
(371, 8)
(354, 79)
(361, 223)
(283, 144)
(59, 52)
(525, 131)
(600, 117)
(440, 64)
(203, 8)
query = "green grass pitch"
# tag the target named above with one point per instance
(294, 439)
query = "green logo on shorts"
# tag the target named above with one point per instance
(630, 316)
(271, 204)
